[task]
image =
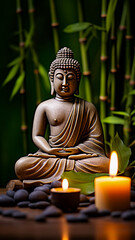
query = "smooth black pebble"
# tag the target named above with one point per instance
(8, 212)
(39, 205)
(104, 212)
(83, 198)
(128, 215)
(43, 188)
(116, 214)
(52, 211)
(18, 214)
(92, 200)
(21, 195)
(10, 193)
(40, 218)
(36, 196)
(132, 196)
(84, 204)
(6, 201)
(91, 211)
(132, 205)
(23, 204)
(56, 184)
(77, 218)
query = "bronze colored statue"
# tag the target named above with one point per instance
(76, 137)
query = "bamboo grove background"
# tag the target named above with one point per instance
(101, 35)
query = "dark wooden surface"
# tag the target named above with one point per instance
(105, 228)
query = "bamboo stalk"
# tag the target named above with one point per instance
(22, 90)
(121, 32)
(129, 107)
(84, 57)
(103, 80)
(127, 126)
(31, 11)
(54, 24)
(113, 74)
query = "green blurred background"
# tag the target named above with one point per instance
(11, 145)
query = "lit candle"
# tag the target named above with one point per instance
(112, 192)
(65, 198)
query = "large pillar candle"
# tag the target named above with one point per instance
(112, 192)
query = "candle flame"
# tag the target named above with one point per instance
(65, 184)
(113, 164)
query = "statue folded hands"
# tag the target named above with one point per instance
(76, 137)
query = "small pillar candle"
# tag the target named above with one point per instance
(113, 192)
(65, 198)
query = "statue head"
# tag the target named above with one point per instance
(65, 61)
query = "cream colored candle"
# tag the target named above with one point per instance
(113, 192)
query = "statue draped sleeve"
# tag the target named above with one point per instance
(82, 130)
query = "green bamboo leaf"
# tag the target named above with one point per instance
(121, 113)
(11, 74)
(132, 92)
(132, 163)
(110, 13)
(133, 112)
(84, 181)
(15, 48)
(132, 143)
(113, 120)
(44, 75)
(133, 123)
(29, 36)
(123, 152)
(77, 27)
(87, 32)
(89, 41)
(18, 84)
(99, 28)
(93, 29)
(17, 60)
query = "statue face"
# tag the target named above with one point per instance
(65, 82)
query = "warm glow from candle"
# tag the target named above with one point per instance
(113, 164)
(65, 184)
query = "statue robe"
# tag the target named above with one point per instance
(82, 130)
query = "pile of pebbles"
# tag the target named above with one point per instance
(40, 198)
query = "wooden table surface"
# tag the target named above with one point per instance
(106, 228)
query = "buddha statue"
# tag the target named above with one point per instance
(76, 136)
